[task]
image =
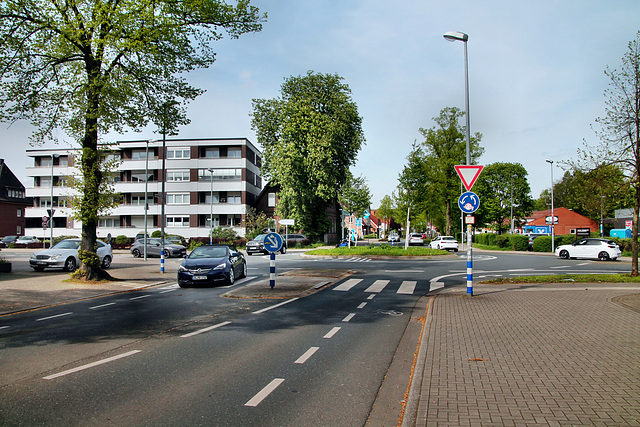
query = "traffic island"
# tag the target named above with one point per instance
(291, 284)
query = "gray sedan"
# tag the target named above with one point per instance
(154, 247)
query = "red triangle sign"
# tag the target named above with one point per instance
(468, 174)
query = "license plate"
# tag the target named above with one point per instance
(199, 277)
(42, 262)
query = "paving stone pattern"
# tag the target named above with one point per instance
(548, 355)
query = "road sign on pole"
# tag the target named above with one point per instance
(469, 202)
(468, 174)
(272, 243)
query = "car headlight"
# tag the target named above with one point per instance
(33, 256)
(182, 268)
(55, 257)
(220, 266)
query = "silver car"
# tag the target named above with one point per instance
(154, 247)
(65, 255)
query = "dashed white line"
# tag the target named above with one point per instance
(349, 317)
(362, 305)
(262, 394)
(3, 327)
(200, 331)
(306, 355)
(91, 365)
(168, 290)
(332, 332)
(53, 317)
(95, 307)
(372, 296)
(274, 306)
(140, 297)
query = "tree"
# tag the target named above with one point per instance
(90, 66)
(619, 132)
(355, 196)
(386, 209)
(495, 187)
(429, 181)
(311, 136)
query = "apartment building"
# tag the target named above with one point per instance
(208, 182)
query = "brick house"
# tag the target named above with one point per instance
(12, 203)
(568, 222)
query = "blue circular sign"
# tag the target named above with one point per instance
(273, 242)
(469, 202)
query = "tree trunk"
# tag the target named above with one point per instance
(634, 233)
(448, 218)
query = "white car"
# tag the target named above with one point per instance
(393, 237)
(446, 243)
(416, 239)
(26, 240)
(601, 249)
(65, 255)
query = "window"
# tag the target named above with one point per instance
(19, 214)
(19, 230)
(17, 194)
(140, 154)
(45, 181)
(207, 198)
(45, 202)
(212, 153)
(138, 199)
(234, 153)
(107, 222)
(234, 198)
(178, 198)
(177, 175)
(63, 161)
(139, 176)
(219, 174)
(177, 221)
(272, 200)
(46, 162)
(179, 153)
(234, 220)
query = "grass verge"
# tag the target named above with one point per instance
(559, 278)
(385, 250)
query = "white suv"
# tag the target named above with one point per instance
(446, 243)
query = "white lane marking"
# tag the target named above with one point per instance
(3, 327)
(262, 394)
(207, 329)
(372, 296)
(91, 365)
(101, 306)
(306, 355)
(174, 286)
(275, 306)
(561, 266)
(140, 297)
(53, 317)
(349, 317)
(377, 286)
(407, 287)
(583, 263)
(167, 290)
(404, 271)
(332, 332)
(362, 305)
(345, 286)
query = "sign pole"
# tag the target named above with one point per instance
(272, 269)
(273, 243)
(469, 262)
(469, 203)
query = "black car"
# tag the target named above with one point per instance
(296, 239)
(6, 241)
(212, 264)
(256, 246)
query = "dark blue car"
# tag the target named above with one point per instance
(210, 265)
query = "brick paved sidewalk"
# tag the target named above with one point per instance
(564, 354)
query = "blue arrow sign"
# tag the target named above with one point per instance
(469, 202)
(273, 242)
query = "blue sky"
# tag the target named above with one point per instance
(536, 73)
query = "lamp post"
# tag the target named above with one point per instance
(512, 176)
(211, 211)
(602, 216)
(146, 200)
(453, 36)
(51, 211)
(553, 218)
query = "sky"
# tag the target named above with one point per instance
(536, 76)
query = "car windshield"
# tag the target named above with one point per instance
(208, 252)
(260, 237)
(448, 238)
(67, 244)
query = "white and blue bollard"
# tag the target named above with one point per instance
(162, 261)
(272, 269)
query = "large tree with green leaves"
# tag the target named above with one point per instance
(429, 180)
(619, 132)
(87, 67)
(311, 135)
(355, 196)
(501, 186)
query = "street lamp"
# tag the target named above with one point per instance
(453, 36)
(602, 216)
(512, 176)
(211, 212)
(553, 218)
(53, 156)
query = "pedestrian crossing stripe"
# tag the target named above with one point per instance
(407, 287)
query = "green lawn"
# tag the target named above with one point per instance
(378, 250)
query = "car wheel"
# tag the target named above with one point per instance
(244, 269)
(167, 254)
(564, 254)
(70, 264)
(603, 256)
(183, 285)
(106, 262)
(232, 276)
(249, 253)
(283, 250)
(38, 268)
(136, 253)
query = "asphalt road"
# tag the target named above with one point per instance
(172, 356)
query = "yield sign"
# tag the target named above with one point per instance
(468, 174)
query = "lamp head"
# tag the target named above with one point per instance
(456, 35)
(549, 161)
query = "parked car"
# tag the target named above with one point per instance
(211, 264)
(26, 240)
(416, 239)
(533, 236)
(256, 246)
(154, 247)
(296, 239)
(446, 243)
(139, 236)
(602, 249)
(177, 240)
(65, 255)
(7, 240)
(393, 237)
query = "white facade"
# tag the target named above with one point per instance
(195, 168)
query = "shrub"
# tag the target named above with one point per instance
(518, 242)
(542, 244)
(502, 240)
(122, 239)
